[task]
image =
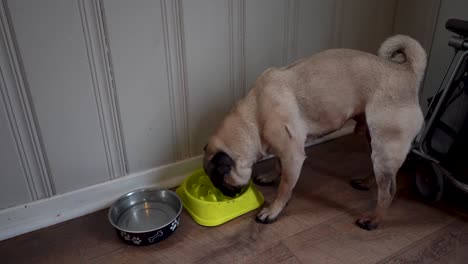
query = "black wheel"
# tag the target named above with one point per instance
(429, 181)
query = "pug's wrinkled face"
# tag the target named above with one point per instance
(225, 173)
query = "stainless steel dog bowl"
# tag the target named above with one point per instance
(146, 216)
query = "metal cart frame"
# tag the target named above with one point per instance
(458, 68)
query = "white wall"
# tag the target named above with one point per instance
(417, 18)
(93, 90)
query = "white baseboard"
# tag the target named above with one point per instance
(32, 216)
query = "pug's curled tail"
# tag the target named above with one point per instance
(405, 50)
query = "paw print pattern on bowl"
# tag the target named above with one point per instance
(174, 224)
(136, 240)
(125, 235)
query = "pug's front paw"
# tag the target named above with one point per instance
(266, 216)
(368, 221)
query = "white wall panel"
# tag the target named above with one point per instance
(94, 30)
(21, 123)
(12, 179)
(364, 24)
(53, 51)
(210, 95)
(316, 26)
(417, 18)
(137, 48)
(265, 40)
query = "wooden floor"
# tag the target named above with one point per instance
(316, 227)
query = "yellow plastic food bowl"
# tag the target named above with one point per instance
(209, 207)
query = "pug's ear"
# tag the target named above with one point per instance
(204, 148)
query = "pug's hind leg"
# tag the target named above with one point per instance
(269, 177)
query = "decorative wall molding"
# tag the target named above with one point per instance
(237, 48)
(94, 32)
(25, 218)
(176, 67)
(20, 111)
(291, 31)
(170, 81)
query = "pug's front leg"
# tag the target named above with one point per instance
(291, 168)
